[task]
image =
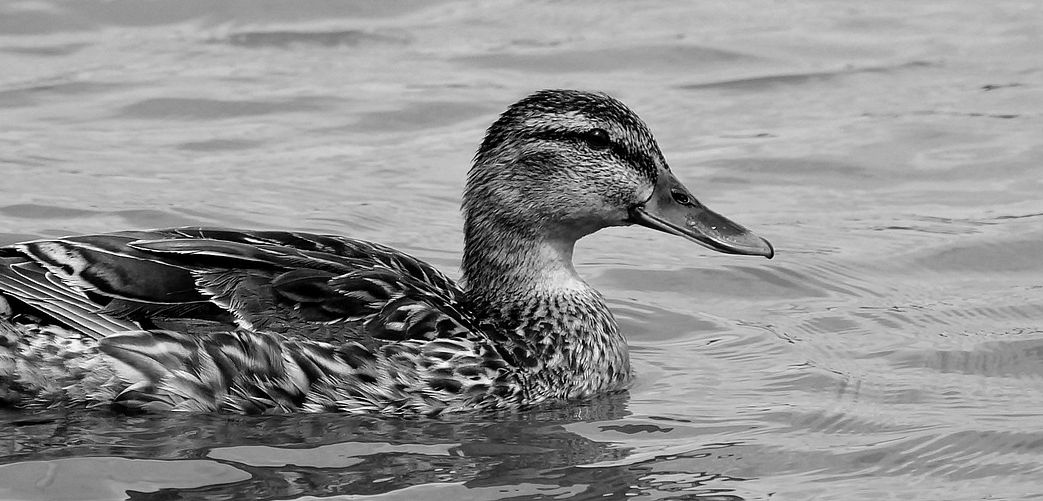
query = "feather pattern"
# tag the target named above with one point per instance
(224, 320)
(299, 322)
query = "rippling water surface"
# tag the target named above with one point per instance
(890, 150)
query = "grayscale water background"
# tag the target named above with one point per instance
(890, 150)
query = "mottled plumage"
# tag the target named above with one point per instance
(223, 320)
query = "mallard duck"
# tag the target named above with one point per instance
(224, 320)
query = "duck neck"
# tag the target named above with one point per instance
(514, 263)
(524, 283)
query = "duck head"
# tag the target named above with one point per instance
(561, 164)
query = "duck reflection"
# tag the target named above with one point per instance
(532, 453)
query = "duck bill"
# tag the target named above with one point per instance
(672, 209)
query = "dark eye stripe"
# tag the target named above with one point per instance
(585, 138)
(640, 161)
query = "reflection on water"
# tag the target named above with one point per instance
(277, 456)
(894, 347)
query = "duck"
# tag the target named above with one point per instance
(224, 320)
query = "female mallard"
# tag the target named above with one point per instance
(208, 319)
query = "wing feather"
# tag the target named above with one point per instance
(36, 287)
(334, 288)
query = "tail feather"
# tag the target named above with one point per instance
(42, 367)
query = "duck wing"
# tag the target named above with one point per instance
(326, 287)
(43, 292)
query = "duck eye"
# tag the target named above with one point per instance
(680, 197)
(598, 139)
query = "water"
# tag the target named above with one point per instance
(891, 151)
